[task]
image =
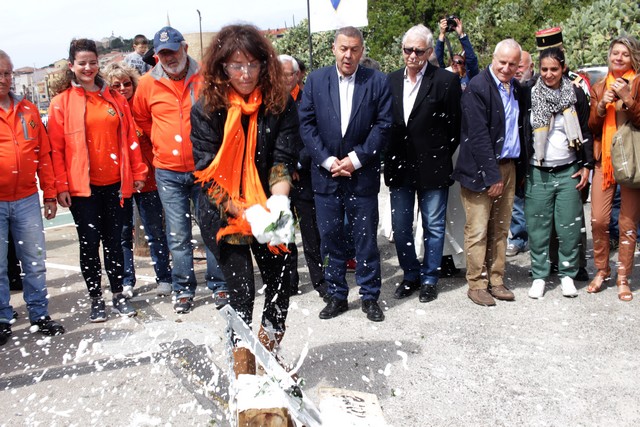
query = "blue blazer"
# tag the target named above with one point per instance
(482, 134)
(367, 133)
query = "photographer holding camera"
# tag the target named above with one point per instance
(464, 64)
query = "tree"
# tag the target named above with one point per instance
(587, 35)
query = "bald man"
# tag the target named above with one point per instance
(489, 157)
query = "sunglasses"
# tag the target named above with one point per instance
(458, 61)
(409, 51)
(118, 85)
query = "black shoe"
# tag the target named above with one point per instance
(220, 299)
(406, 288)
(15, 314)
(5, 333)
(582, 276)
(334, 307)
(373, 310)
(122, 306)
(183, 305)
(448, 267)
(98, 311)
(48, 327)
(322, 290)
(428, 293)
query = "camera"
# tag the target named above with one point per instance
(451, 23)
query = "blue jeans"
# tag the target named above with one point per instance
(24, 219)
(177, 192)
(362, 212)
(433, 210)
(150, 209)
(519, 236)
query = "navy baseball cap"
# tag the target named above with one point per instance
(167, 38)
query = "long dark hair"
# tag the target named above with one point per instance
(244, 38)
(76, 46)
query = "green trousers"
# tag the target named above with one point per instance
(552, 198)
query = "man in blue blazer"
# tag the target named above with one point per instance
(490, 163)
(345, 118)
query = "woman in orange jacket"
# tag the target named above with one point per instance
(97, 164)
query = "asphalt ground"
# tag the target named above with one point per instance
(549, 362)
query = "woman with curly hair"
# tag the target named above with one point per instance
(614, 100)
(245, 144)
(97, 164)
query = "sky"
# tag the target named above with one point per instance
(38, 32)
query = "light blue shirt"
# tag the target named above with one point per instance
(511, 146)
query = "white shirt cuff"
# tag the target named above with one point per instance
(354, 159)
(329, 162)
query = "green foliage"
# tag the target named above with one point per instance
(295, 42)
(588, 26)
(587, 34)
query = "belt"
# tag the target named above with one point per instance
(506, 161)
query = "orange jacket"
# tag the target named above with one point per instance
(68, 141)
(147, 157)
(164, 115)
(24, 151)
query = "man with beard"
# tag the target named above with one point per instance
(162, 108)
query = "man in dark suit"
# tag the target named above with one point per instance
(424, 136)
(491, 155)
(302, 199)
(345, 117)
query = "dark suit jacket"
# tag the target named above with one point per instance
(419, 153)
(367, 133)
(482, 134)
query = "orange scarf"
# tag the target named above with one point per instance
(609, 129)
(294, 92)
(234, 169)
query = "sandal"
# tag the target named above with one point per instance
(624, 290)
(596, 284)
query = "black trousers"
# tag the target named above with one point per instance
(237, 266)
(99, 219)
(305, 211)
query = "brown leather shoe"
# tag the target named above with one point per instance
(481, 297)
(502, 293)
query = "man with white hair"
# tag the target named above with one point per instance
(302, 198)
(424, 135)
(490, 157)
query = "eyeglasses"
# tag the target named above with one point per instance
(6, 75)
(410, 50)
(458, 61)
(237, 69)
(123, 84)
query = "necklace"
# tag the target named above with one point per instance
(180, 76)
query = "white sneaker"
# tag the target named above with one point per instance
(537, 289)
(164, 289)
(127, 291)
(568, 288)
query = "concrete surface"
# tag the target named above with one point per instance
(549, 362)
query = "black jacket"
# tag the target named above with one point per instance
(482, 134)
(278, 143)
(419, 152)
(278, 139)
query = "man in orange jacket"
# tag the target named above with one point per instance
(24, 152)
(162, 108)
